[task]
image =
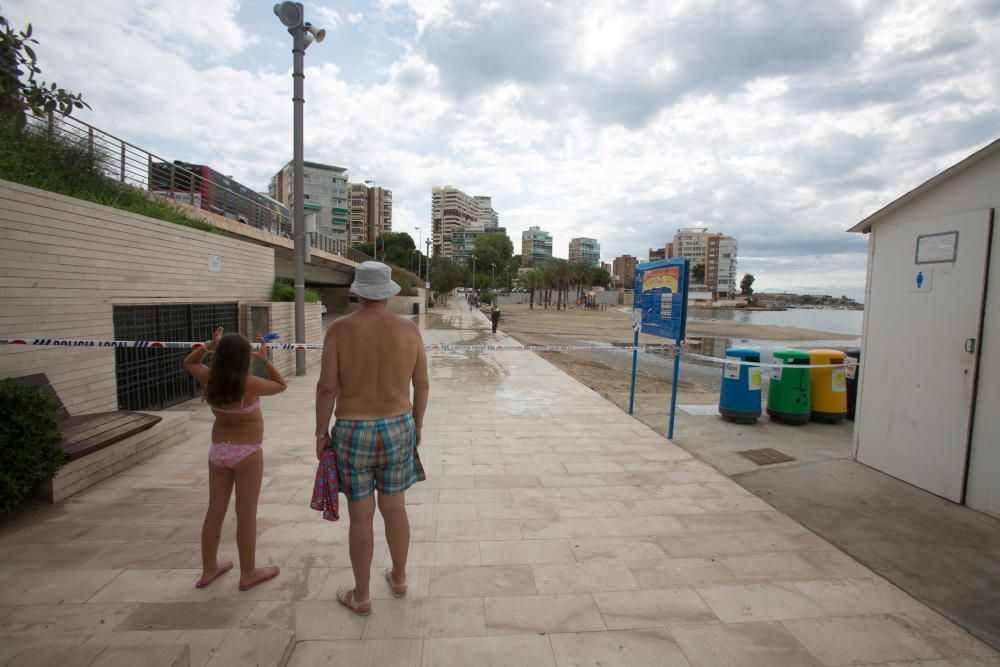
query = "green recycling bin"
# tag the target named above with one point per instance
(788, 400)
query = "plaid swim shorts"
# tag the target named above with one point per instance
(376, 454)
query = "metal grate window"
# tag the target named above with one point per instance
(156, 379)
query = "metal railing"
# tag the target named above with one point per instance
(195, 185)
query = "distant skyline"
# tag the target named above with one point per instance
(780, 123)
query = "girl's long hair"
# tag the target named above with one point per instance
(228, 376)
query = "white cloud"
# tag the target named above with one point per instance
(621, 120)
(325, 17)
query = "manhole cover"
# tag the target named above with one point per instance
(763, 457)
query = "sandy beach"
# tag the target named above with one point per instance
(608, 373)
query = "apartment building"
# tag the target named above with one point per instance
(536, 247)
(714, 251)
(585, 251)
(325, 192)
(357, 213)
(369, 213)
(623, 270)
(451, 211)
(488, 218)
(457, 219)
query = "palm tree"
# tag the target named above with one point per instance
(534, 281)
(547, 279)
(583, 275)
(560, 275)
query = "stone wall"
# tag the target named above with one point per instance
(64, 264)
(281, 316)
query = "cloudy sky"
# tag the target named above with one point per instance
(780, 122)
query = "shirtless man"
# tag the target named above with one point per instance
(370, 359)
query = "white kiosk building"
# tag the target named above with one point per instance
(928, 408)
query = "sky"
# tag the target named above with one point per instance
(780, 123)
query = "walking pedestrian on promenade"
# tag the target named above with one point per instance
(370, 359)
(235, 458)
(495, 317)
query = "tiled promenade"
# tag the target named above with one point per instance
(553, 530)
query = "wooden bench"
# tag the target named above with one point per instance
(84, 434)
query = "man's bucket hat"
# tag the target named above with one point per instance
(373, 281)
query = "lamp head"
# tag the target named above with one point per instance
(289, 13)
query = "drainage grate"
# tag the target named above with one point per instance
(763, 457)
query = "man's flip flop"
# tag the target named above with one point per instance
(225, 567)
(272, 572)
(393, 585)
(345, 596)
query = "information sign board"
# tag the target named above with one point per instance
(661, 289)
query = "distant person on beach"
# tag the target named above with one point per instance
(495, 317)
(235, 457)
(370, 359)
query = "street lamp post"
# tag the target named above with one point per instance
(377, 227)
(473, 274)
(494, 283)
(427, 282)
(292, 16)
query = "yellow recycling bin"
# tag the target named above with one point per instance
(829, 387)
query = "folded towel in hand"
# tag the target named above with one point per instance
(325, 496)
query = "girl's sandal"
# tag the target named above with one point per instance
(398, 590)
(345, 596)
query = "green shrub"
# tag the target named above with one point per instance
(284, 290)
(30, 442)
(406, 281)
(69, 166)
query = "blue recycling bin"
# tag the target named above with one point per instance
(739, 398)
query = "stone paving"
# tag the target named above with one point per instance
(553, 529)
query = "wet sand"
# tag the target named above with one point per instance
(608, 372)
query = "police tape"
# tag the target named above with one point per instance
(431, 347)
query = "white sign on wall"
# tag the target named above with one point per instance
(214, 263)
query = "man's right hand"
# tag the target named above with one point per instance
(322, 442)
(418, 435)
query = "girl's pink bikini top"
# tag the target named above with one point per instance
(240, 410)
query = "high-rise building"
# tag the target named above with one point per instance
(536, 247)
(458, 219)
(369, 213)
(714, 251)
(324, 191)
(487, 218)
(623, 270)
(452, 211)
(585, 251)
(357, 217)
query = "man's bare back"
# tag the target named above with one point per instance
(378, 355)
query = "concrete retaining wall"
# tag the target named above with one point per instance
(403, 305)
(64, 263)
(282, 321)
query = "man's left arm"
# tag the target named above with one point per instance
(327, 389)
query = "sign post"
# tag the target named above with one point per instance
(660, 309)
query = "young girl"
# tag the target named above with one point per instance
(235, 456)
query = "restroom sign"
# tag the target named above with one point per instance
(921, 279)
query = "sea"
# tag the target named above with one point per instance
(819, 319)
